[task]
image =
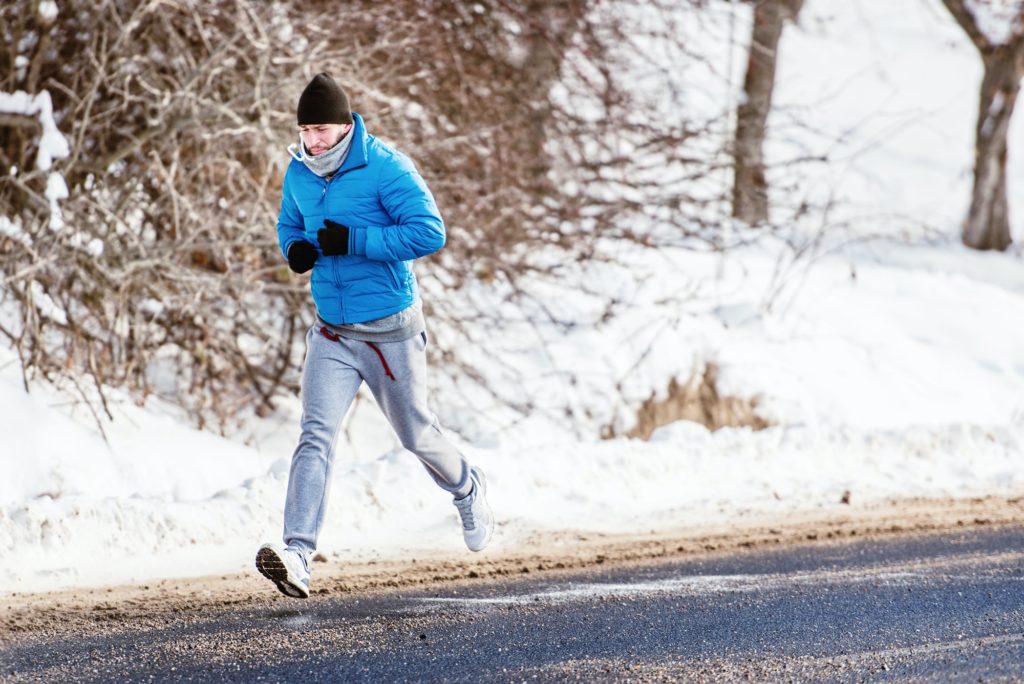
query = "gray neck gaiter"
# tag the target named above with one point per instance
(327, 163)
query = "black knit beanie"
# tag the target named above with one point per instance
(323, 102)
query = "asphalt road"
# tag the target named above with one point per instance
(938, 607)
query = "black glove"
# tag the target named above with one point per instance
(301, 256)
(333, 238)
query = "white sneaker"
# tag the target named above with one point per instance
(285, 568)
(477, 519)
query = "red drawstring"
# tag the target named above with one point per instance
(383, 361)
(380, 355)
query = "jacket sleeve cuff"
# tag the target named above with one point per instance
(373, 243)
(357, 241)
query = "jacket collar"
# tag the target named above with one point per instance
(357, 152)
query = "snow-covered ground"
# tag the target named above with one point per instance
(889, 367)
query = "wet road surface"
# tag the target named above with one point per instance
(938, 607)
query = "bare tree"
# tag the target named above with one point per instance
(987, 225)
(750, 189)
(177, 122)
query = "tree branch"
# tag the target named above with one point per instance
(967, 21)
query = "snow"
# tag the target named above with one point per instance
(48, 10)
(45, 304)
(52, 144)
(14, 231)
(888, 360)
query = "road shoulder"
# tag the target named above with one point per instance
(53, 612)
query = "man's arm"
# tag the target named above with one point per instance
(418, 229)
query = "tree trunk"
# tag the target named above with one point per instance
(553, 25)
(750, 189)
(987, 225)
(988, 220)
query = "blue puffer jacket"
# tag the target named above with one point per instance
(392, 219)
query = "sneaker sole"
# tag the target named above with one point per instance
(272, 567)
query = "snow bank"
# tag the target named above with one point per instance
(896, 382)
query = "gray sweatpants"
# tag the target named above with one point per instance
(396, 374)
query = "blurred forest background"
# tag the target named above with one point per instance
(145, 257)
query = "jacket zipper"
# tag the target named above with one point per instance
(334, 266)
(334, 262)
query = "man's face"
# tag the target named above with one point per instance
(318, 138)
